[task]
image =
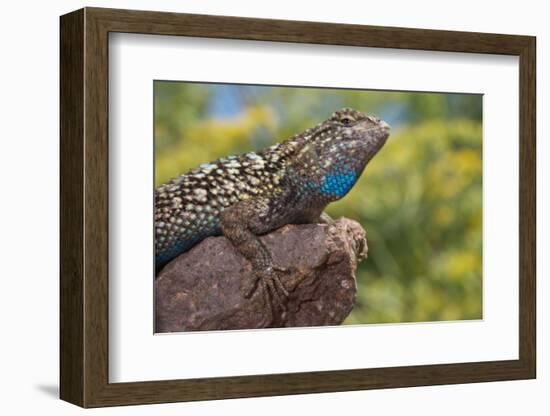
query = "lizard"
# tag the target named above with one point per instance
(251, 194)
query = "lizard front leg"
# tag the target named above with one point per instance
(325, 219)
(241, 224)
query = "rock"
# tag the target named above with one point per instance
(202, 288)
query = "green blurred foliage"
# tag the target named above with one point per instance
(419, 199)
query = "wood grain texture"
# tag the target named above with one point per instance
(84, 206)
(96, 214)
(162, 23)
(71, 208)
(527, 208)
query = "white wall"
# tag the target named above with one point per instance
(29, 205)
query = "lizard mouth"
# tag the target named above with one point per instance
(380, 132)
(384, 126)
(383, 130)
(377, 135)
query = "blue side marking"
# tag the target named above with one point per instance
(184, 245)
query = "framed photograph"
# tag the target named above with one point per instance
(255, 207)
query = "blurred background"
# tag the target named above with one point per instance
(419, 199)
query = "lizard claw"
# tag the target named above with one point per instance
(280, 269)
(269, 282)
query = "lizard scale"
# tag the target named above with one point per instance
(251, 194)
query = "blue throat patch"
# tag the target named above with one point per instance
(338, 183)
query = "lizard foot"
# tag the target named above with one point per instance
(269, 282)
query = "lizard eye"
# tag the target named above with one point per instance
(346, 121)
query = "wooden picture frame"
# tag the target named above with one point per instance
(84, 207)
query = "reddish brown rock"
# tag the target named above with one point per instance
(201, 289)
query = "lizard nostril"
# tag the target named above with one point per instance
(384, 125)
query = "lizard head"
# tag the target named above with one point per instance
(335, 152)
(352, 134)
